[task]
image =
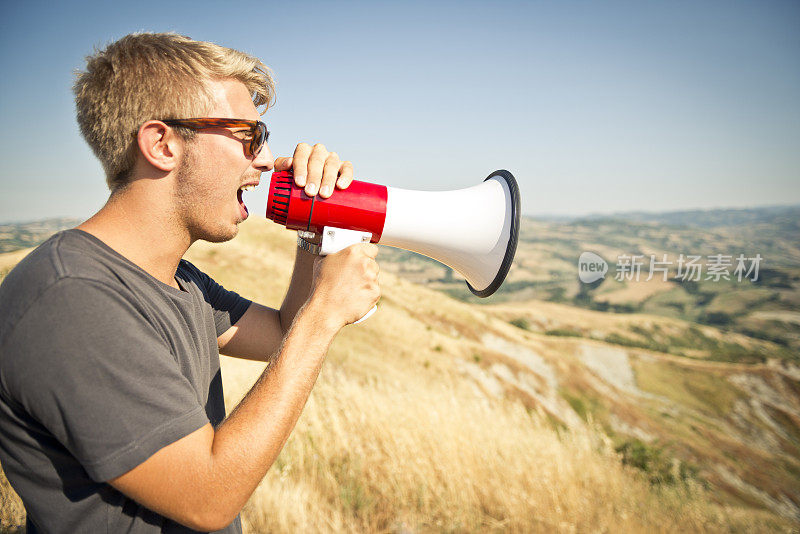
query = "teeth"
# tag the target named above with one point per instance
(248, 187)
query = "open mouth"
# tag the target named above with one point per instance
(242, 207)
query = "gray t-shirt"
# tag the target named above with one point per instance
(102, 365)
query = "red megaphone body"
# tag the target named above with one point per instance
(362, 207)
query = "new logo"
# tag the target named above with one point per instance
(591, 267)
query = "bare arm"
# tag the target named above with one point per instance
(204, 479)
(258, 334)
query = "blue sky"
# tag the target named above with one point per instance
(596, 107)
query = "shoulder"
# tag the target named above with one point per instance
(69, 265)
(70, 253)
(38, 269)
(75, 327)
(68, 311)
(30, 279)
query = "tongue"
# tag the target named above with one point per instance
(242, 207)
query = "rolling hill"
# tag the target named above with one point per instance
(523, 414)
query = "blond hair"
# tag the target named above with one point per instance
(146, 76)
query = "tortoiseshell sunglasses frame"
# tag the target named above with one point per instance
(257, 129)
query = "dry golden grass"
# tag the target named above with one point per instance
(9, 259)
(396, 439)
(404, 455)
(407, 456)
(12, 513)
(637, 291)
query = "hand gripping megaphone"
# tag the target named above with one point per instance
(473, 231)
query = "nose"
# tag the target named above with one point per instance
(264, 161)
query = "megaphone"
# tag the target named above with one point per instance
(473, 231)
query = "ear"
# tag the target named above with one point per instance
(159, 145)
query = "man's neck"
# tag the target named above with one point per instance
(141, 227)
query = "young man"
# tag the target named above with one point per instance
(111, 410)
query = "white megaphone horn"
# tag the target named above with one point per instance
(474, 230)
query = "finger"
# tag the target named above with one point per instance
(372, 269)
(370, 250)
(330, 172)
(283, 163)
(376, 288)
(300, 161)
(315, 163)
(345, 175)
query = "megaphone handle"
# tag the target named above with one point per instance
(338, 239)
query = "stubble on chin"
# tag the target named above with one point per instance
(194, 204)
(224, 234)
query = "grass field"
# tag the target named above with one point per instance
(439, 415)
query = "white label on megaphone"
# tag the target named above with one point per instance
(337, 239)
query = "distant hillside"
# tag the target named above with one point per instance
(15, 236)
(546, 268)
(523, 415)
(783, 217)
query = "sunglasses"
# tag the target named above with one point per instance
(257, 136)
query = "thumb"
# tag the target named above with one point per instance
(283, 163)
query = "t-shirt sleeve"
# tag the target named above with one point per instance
(85, 362)
(227, 306)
